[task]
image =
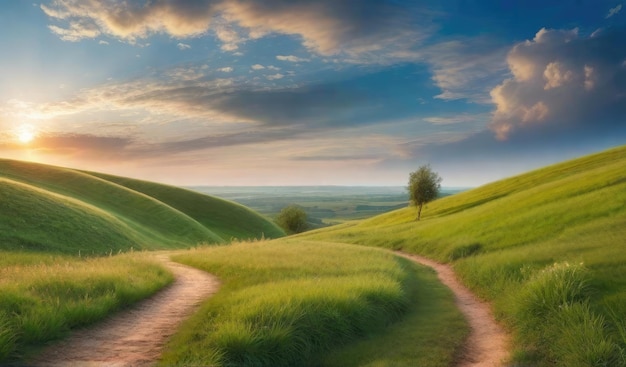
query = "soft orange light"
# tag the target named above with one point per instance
(25, 134)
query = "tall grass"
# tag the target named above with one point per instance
(286, 303)
(503, 240)
(42, 297)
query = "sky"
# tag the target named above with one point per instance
(303, 92)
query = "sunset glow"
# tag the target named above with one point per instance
(311, 92)
(25, 134)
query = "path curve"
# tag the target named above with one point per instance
(135, 337)
(487, 344)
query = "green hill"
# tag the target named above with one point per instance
(60, 209)
(210, 211)
(547, 248)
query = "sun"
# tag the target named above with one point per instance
(25, 134)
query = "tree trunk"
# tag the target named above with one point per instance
(419, 211)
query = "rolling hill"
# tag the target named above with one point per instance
(59, 209)
(547, 248)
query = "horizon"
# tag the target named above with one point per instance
(240, 93)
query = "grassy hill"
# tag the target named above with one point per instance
(546, 247)
(59, 209)
(225, 218)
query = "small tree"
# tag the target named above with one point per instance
(424, 185)
(292, 219)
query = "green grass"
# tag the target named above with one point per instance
(286, 303)
(43, 296)
(504, 239)
(227, 219)
(427, 336)
(58, 209)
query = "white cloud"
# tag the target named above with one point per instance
(183, 46)
(257, 67)
(229, 37)
(227, 69)
(325, 27)
(614, 11)
(562, 80)
(466, 68)
(185, 74)
(130, 21)
(556, 75)
(103, 42)
(76, 31)
(272, 67)
(274, 76)
(291, 58)
(457, 119)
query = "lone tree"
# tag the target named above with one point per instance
(292, 219)
(424, 185)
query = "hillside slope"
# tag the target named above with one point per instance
(555, 232)
(225, 218)
(124, 217)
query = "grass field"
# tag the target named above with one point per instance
(43, 296)
(46, 210)
(288, 303)
(546, 248)
(57, 209)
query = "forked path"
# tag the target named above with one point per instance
(135, 337)
(487, 344)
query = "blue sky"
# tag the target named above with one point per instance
(278, 92)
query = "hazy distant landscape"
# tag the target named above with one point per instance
(324, 205)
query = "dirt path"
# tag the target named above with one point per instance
(135, 337)
(487, 343)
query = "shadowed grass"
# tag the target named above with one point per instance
(427, 336)
(505, 236)
(287, 303)
(42, 297)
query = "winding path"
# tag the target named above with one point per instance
(135, 337)
(487, 343)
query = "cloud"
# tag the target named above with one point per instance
(103, 42)
(614, 11)
(257, 67)
(227, 69)
(183, 46)
(457, 119)
(274, 76)
(563, 81)
(230, 37)
(196, 94)
(466, 68)
(76, 31)
(291, 58)
(325, 27)
(130, 20)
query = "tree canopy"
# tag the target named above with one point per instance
(292, 219)
(424, 185)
